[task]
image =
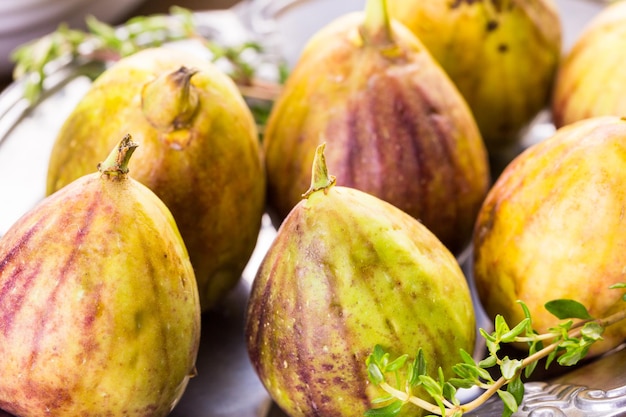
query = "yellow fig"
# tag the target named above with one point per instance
(502, 55)
(552, 227)
(591, 81)
(200, 154)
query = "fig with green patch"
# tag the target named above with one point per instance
(348, 271)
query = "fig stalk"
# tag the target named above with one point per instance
(376, 29)
(320, 179)
(174, 109)
(117, 161)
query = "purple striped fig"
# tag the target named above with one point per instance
(396, 126)
(99, 310)
(348, 271)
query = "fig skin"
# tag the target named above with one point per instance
(395, 125)
(200, 154)
(590, 81)
(502, 56)
(99, 309)
(345, 272)
(553, 227)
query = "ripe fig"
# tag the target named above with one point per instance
(200, 154)
(370, 89)
(591, 81)
(348, 271)
(99, 308)
(502, 55)
(552, 227)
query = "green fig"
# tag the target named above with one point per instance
(99, 308)
(200, 154)
(502, 55)
(370, 89)
(348, 271)
(591, 81)
(552, 227)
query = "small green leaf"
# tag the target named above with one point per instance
(471, 372)
(551, 357)
(572, 356)
(462, 382)
(431, 386)
(465, 371)
(449, 392)
(618, 285)
(487, 336)
(568, 309)
(488, 362)
(377, 354)
(509, 400)
(467, 358)
(592, 331)
(390, 410)
(510, 336)
(417, 369)
(375, 374)
(516, 388)
(397, 363)
(509, 367)
(382, 400)
(524, 308)
(501, 326)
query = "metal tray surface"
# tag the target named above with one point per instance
(226, 385)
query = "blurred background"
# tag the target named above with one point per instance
(24, 20)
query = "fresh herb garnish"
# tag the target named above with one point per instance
(566, 343)
(104, 43)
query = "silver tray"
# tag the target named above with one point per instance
(226, 385)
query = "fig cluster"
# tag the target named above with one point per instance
(375, 166)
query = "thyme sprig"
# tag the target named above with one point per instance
(566, 343)
(104, 43)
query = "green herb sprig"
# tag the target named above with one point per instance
(104, 43)
(566, 343)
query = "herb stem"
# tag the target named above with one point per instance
(405, 397)
(480, 400)
(492, 388)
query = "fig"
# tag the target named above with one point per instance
(367, 86)
(552, 227)
(200, 154)
(99, 308)
(348, 271)
(590, 81)
(502, 55)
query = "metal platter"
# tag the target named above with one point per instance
(226, 385)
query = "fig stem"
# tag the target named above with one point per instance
(377, 27)
(320, 179)
(170, 101)
(116, 163)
